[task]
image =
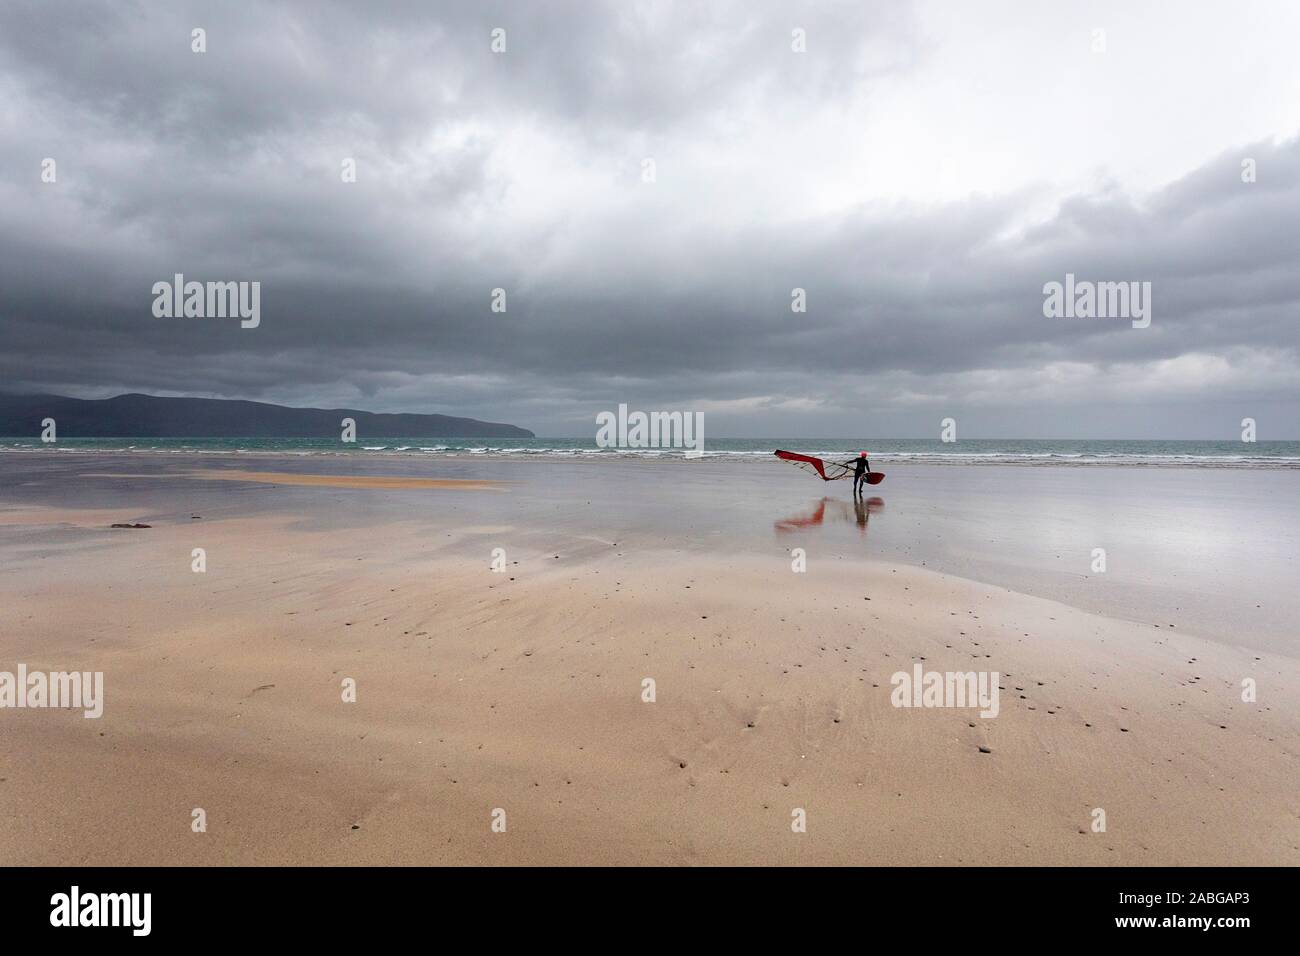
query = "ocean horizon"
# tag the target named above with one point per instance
(973, 451)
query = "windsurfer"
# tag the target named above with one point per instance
(861, 468)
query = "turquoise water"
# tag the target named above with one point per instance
(1226, 454)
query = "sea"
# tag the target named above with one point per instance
(996, 451)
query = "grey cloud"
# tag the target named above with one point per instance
(226, 166)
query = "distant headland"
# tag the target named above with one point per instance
(151, 416)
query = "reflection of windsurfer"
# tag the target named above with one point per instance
(863, 509)
(862, 467)
(860, 512)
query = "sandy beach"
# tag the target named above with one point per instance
(523, 689)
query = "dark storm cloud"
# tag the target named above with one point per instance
(522, 171)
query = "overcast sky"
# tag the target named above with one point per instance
(921, 171)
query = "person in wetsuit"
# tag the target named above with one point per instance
(861, 468)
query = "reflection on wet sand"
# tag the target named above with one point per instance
(857, 512)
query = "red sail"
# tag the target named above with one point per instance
(826, 470)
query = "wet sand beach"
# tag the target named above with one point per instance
(523, 690)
